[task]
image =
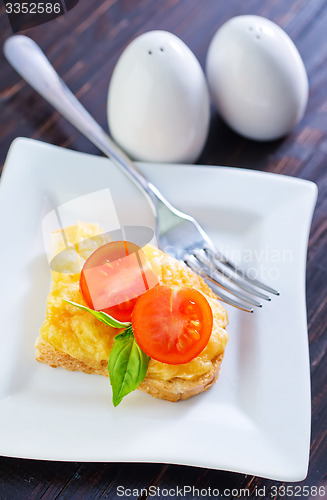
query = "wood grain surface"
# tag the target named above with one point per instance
(84, 46)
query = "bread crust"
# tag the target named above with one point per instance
(177, 388)
(173, 390)
(45, 353)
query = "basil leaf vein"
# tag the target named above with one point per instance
(127, 365)
(101, 316)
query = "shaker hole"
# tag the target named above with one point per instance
(162, 49)
(150, 52)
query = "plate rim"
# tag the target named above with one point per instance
(312, 188)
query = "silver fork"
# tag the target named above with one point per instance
(177, 233)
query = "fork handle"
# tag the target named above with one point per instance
(29, 61)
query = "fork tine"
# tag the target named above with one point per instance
(202, 256)
(214, 277)
(222, 259)
(234, 303)
(221, 295)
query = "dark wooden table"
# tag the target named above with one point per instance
(84, 46)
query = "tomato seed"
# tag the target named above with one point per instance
(180, 345)
(194, 334)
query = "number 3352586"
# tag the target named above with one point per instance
(33, 8)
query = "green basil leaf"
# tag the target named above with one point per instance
(127, 365)
(101, 316)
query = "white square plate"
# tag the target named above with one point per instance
(256, 419)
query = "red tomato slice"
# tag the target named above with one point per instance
(172, 326)
(114, 277)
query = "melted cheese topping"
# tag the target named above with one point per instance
(77, 333)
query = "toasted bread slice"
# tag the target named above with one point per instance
(75, 340)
